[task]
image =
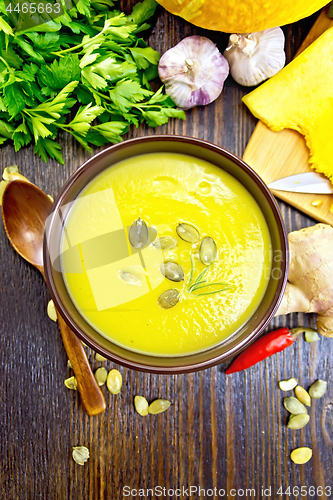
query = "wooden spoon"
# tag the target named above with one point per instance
(25, 209)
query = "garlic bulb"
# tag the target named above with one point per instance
(254, 57)
(193, 72)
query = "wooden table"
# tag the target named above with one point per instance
(227, 433)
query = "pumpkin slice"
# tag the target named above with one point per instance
(242, 16)
(300, 97)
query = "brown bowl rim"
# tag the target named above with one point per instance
(191, 367)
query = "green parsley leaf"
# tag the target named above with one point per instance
(145, 57)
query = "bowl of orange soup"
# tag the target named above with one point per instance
(166, 254)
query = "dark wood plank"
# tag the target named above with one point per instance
(220, 432)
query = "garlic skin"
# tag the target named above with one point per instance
(254, 57)
(193, 72)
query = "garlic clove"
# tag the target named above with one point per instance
(193, 72)
(254, 57)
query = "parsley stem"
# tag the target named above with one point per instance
(5, 62)
(211, 293)
(209, 284)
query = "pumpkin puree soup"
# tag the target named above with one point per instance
(117, 288)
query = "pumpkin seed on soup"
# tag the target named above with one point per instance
(187, 232)
(165, 243)
(129, 278)
(141, 405)
(159, 406)
(318, 389)
(138, 234)
(294, 406)
(298, 421)
(169, 298)
(301, 455)
(80, 454)
(303, 395)
(288, 385)
(114, 381)
(172, 271)
(208, 251)
(101, 375)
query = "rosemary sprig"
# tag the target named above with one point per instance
(199, 282)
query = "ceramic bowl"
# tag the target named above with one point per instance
(223, 159)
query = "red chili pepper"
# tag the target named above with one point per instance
(264, 347)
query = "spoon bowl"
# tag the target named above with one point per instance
(25, 209)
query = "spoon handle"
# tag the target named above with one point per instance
(92, 399)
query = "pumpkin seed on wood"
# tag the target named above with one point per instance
(169, 298)
(318, 389)
(298, 421)
(311, 336)
(294, 406)
(12, 169)
(3, 185)
(288, 385)
(114, 381)
(69, 364)
(187, 232)
(138, 234)
(71, 383)
(99, 357)
(303, 396)
(51, 311)
(301, 455)
(159, 406)
(51, 197)
(207, 251)
(129, 278)
(172, 271)
(165, 243)
(141, 405)
(80, 454)
(101, 375)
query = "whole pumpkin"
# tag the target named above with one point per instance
(242, 16)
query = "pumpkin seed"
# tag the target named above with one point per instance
(101, 375)
(158, 406)
(129, 278)
(317, 203)
(166, 243)
(12, 169)
(288, 385)
(99, 357)
(80, 454)
(169, 298)
(71, 383)
(138, 233)
(3, 185)
(298, 421)
(51, 311)
(172, 271)
(318, 389)
(51, 197)
(294, 406)
(187, 232)
(301, 455)
(141, 405)
(303, 395)
(114, 381)
(69, 364)
(207, 251)
(311, 336)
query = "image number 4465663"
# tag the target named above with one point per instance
(25, 15)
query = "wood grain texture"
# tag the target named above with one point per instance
(278, 154)
(224, 433)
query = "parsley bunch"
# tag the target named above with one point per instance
(85, 72)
